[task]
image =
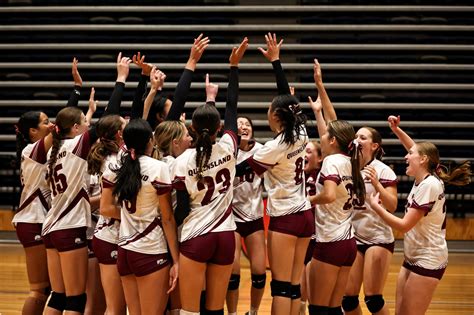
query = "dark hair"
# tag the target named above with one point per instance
(206, 121)
(106, 129)
(459, 176)
(65, 120)
(376, 138)
(291, 117)
(27, 120)
(250, 122)
(136, 136)
(157, 109)
(345, 135)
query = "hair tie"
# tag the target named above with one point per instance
(132, 154)
(295, 109)
(17, 130)
(56, 129)
(205, 130)
(439, 168)
(354, 144)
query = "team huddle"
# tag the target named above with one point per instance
(164, 207)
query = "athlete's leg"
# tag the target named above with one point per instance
(74, 264)
(217, 277)
(232, 296)
(37, 270)
(298, 265)
(255, 244)
(417, 294)
(113, 290)
(130, 290)
(350, 302)
(377, 263)
(58, 297)
(152, 290)
(191, 277)
(95, 294)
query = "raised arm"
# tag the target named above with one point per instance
(76, 91)
(157, 79)
(317, 108)
(123, 69)
(328, 109)
(211, 90)
(230, 120)
(272, 53)
(92, 106)
(138, 98)
(405, 139)
(184, 85)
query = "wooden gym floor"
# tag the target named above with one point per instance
(454, 295)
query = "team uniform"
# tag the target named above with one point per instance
(94, 190)
(369, 228)
(425, 248)
(66, 223)
(35, 196)
(142, 243)
(311, 180)
(206, 234)
(106, 233)
(247, 205)
(287, 205)
(170, 161)
(335, 243)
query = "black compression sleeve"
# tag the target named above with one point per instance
(139, 98)
(282, 82)
(182, 208)
(113, 107)
(180, 95)
(230, 118)
(74, 97)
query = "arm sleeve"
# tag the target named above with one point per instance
(113, 107)
(282, 82)
(182, 208)
(74, 97)
(230, 118)
(138, 98)
(180, 95)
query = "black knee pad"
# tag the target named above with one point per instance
(57, 301)
(76, 303)
(350, 302)
(258, 281)
(281, 288)
(234, 282)
(202, 302)
(374, 302)
(295, 291)
(335, 311)
(218, 312)
(318, 310)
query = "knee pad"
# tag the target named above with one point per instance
(258, 281)
(234, 282)
(218, 312)
(57, 301)
(374, 302)
(350, 302)
(295, 291)
(281, 288)
(318, 310)
(76, 303)
(335, 311)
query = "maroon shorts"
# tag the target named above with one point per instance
(438, 273)
(29, 234)
(130, 262)
(340, 253)
(309, 251)
(364, 247)
(247, 228)
(105, 252)
(299, 224)
(66, 240)
(215, 248)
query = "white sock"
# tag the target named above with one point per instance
(183, 312)
(175, 312)
(253, 311)
(233, 313)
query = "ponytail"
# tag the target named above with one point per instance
(355, 152)
(203, 151)
(57, 139)
(459, 176)
(22, 129)
(291, 117)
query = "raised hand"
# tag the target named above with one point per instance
(211, 90)
(123, 68)
(75, 72)
(273, 47)
(317, 105)
(92, 101)
(139, 60)
(393, 121)
(370, 173)
(238, 52)
(292, 90)
(199, 46)
(318, 77)
(157, 79)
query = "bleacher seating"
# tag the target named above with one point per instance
(412, 58)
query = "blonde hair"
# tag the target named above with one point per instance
(165, 133)
(459, 176)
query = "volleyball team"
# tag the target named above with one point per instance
(170, 210)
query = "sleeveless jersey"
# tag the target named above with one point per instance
(282, 166)
(35, 197)
(69, 185)
(140, 220)
(333, 220)
(210, 198)
(425, 244)
(247, 204)
(369, 228)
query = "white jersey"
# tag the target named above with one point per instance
(425, 244)
(35, 196)
(311, 180)
(107, 229)
(247, 204)
(170, 161)
(94, 191)
(369, 228)
(333, 220)
(210, 199)
(140, 219)
(70, 207)
(284, 176)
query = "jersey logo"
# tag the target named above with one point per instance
(37, 237)
(114, 254)
(78, 241)
(161, 261)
